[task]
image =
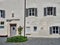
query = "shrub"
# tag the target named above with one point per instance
(17, 39)
(20, 30)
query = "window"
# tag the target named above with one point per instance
(50, 11)
(2, 13)
(28, 31)
(14, 28)
(31, 12)
(1, 27)
(54, 30)
(35, 28)
(12, 14)
(2, 23)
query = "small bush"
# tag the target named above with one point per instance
(17, 39)
(20, 30)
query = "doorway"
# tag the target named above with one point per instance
(12, 29)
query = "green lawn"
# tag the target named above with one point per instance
(17, 39)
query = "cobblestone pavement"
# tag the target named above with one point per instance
(33, 41)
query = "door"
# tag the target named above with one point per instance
(12, 29)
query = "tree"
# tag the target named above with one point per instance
(20, 30)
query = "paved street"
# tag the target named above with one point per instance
(33, 41)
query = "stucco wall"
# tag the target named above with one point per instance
(42, 21)
(15, 6)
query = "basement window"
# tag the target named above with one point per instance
(1, 27)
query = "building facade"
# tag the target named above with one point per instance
(42, 18)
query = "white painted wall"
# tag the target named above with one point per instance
(17, 6)
(41, 20)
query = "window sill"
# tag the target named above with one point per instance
(28, 34)
(49, 15)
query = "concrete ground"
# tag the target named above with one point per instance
(33, 41)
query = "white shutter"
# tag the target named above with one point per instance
(28, 30)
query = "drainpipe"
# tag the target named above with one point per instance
(24, 16)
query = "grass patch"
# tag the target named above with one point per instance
(17, 39)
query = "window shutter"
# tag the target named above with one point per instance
(59, 30)
(50, 30)
(26, 13)
(54, 11)
(3, 13)
(45, 12)
(35, 11)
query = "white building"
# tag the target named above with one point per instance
(42, 18)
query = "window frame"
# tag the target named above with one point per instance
(2, 23)
(2, 13)
(28, 31)
(35, 28)
(50, 11)
(1, 27)
(54, 30)
(31, 12)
